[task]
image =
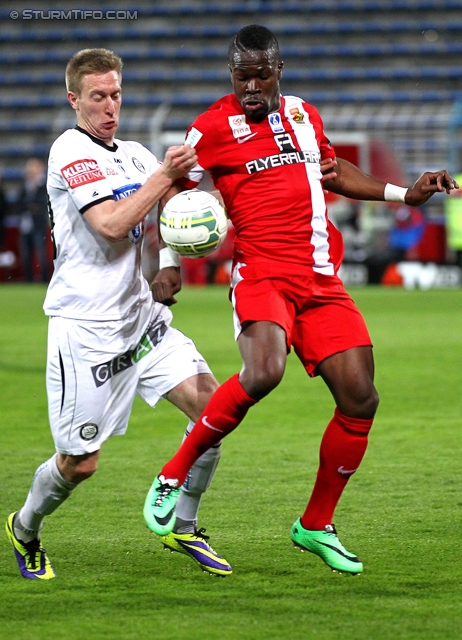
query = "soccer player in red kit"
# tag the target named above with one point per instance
(267, 154)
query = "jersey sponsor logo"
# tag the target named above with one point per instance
(193, 137)
(238, 125)
(241, 140)
(139, 165)
(136, 234)
(105, 371)
(275, 122)
(285, 142)
(88, 431)
(281, 159)
(296, 115)
(82, 172)
(118, 162)
(125, 191)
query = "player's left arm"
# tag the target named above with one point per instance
(351, 182)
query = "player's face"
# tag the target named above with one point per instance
(98, 104)
(255, 76)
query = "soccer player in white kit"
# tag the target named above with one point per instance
(107, 339)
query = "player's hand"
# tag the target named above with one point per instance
(428, 184)
(328, 169)
(166, 283)
(178, 161)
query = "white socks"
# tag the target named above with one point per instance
(197, 482)
(48, 490)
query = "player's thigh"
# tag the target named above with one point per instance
(327, 327)
(86, 402)
(256, 297)
(173, 362)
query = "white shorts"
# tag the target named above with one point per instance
(95, 368)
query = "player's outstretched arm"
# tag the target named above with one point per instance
(351, 182)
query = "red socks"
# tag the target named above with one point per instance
(342, 448)
(223, 413)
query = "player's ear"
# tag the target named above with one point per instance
(280, 68)
(72, 98)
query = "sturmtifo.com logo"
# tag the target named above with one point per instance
(73, 14)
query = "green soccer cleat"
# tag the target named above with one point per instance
(327, 546)
(196, 546)
(159, 506)
(31, 557)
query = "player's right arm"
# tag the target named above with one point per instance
(114, 219)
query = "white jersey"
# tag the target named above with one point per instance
(94, 279)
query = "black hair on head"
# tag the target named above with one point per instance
(254, 37)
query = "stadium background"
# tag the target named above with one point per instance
(385, 75)
(402, 515)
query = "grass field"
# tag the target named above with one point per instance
(401, 513)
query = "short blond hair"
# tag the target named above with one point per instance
(90, 61)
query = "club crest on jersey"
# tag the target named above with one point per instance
(89, 431)
(275, 122)
(238, 125)
(138, 165)
(82, 172)
(296, 115)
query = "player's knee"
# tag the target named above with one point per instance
(362, 405)
(76, 469)
(369, 405)
(85, 471)
(261, 380)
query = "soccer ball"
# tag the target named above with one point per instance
(193, 224)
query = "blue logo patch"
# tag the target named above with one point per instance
(127, 190)
(136, 234)
(275, 122)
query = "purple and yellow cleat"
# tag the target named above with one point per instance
(31, 557)
(196, 546)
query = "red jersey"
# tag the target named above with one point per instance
(269, 176)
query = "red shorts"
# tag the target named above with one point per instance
(317, 314)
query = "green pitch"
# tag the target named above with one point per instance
(401, 512)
